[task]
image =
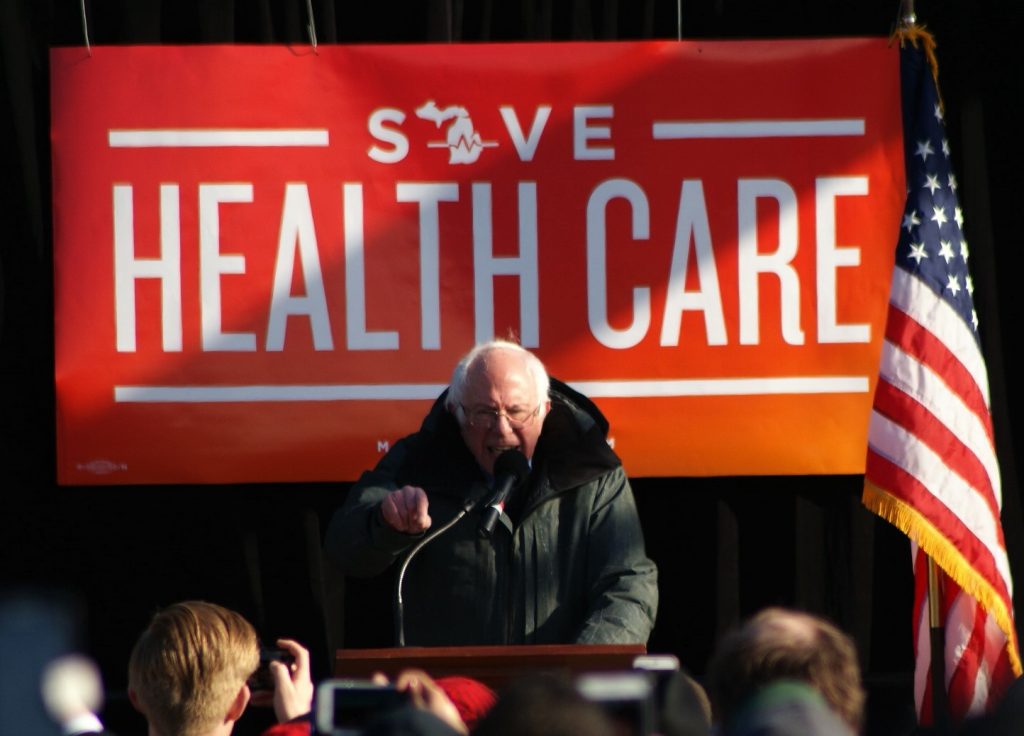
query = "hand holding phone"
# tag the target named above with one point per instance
(293, 684)
(344, 707)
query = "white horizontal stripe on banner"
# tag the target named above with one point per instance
(414, 391)
(225, 394)
(724, 387)
(214, 138)
(677, 130)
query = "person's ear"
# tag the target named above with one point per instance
(238, 705)
(134, 699)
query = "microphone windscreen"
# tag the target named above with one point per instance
(513, 463)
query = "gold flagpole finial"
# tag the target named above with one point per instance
(907, 18)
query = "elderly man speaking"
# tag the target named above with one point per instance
(565, 562)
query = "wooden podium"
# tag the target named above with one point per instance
(493, 665)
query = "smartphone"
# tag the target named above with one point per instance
(345, 707)
(663, 667)
(261, 678)
(627, 698)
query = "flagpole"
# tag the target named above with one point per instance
(907, 16)
(941, 717)
(940, 700)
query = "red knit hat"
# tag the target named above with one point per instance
(471, 698)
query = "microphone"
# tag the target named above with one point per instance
(510, 470)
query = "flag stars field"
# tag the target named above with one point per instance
(946, 251)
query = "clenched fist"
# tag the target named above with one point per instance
(405, 510)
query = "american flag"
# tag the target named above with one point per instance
(931, 465)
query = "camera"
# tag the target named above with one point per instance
(344, 707)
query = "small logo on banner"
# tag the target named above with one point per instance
(462, 140)
(102, 467)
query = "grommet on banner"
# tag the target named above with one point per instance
(85, 29)
(311, 26)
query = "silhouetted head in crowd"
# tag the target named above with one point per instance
(786, 708)
(544, 706)
(187, 673)
(777, 644)
(685, 709)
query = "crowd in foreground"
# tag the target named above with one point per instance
(197, 667)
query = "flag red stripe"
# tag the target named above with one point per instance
(1002, 677)
(914, 339)
(903, 409)
(899, 483)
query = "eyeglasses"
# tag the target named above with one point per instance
(516, 417)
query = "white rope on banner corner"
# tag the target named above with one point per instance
(310, 27)
(85, 28)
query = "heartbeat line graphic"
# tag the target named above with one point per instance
(463, 143)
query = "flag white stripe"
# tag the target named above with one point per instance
(959, 625)
(903, 448)
(911, 296)
(925, 386)
(215, 138)
(983, 679)
(995, 646)
(678, 130)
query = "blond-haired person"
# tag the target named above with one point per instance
(189, 669)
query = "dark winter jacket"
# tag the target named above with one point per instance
(566, 566)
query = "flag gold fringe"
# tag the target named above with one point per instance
(912, 523)
(919, 37)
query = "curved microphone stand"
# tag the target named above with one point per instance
(399, 609)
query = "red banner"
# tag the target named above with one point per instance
(268, 260)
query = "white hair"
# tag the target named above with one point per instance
(457, 387)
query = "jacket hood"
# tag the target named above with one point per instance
(572, 446)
